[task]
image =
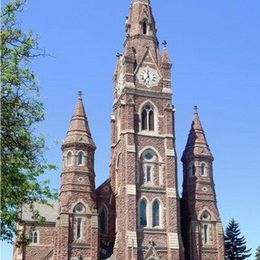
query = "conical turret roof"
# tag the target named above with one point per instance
(79, 131)
(197, 145)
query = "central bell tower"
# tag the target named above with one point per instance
(143, 169)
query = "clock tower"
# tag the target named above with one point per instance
(143, 163)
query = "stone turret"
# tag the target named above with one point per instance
(77, 227)
(202, 228)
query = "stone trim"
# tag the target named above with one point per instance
(131, 189)
(170, 152)
(220, 228)
(167, 90)
(130, 148)
(131, 239)
(94, 221)
(171, 193)
(76, 258)
(64, 220)
(173, 240)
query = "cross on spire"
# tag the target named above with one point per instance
(164, 43)
(80, 95)
(195, 108)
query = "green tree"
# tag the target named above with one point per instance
(22, 160)
(235, 245)
(257, 254)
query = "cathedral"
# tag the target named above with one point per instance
(137, 213)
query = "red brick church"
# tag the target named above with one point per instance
(137, 212)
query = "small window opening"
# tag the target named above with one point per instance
(203, 169)
(143, 217)
(103, 220)
(69, 158)
(148, 118)
(193, 169)
(33, 237)
(144, 28)
(148, 173)
(80, 158)
(156, 214)
(79, 223)
(205, 230)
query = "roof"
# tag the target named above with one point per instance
(50, 213)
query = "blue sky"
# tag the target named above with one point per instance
(215, 49)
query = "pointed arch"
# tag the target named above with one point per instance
(144, 27)
(143, 212)
(103, 219)
(156, 213)
(79, 208)
(147, 148)
(80, 158)
(34, 237)
(148, 114)
(203, 170)
(206, 211)
(69, 156)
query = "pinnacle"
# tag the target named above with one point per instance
(165, 57)
(79, 129)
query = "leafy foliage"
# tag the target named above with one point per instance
(257, 254)
(22, 160)
(235, 245)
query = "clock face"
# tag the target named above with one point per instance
(120, 82)
(149, 77)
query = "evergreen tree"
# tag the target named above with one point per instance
(257, 254)
(22, 160)
(235, 245)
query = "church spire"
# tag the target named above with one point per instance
(79, 131)
(197, 144)
(140, 25)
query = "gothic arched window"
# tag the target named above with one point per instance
(205, 234)
(192, 169)
(80, 158)
(149, 164)
(147, 118)
(78, 228)
(142, 213)
(33, 237)
(203, 169)
(144, 25)
(103, 220)
(69, 159)
(156, 213)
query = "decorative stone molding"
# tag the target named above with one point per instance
(131, 189)
(220, 229)
(171, 193)
(64, 220)
(94, 221)
(173, 240)
(167, 90)
(130, 148)
(131, 239)
(170, 152)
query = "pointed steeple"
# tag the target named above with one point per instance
(197, 145)
(140, 21)
(79, 131)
